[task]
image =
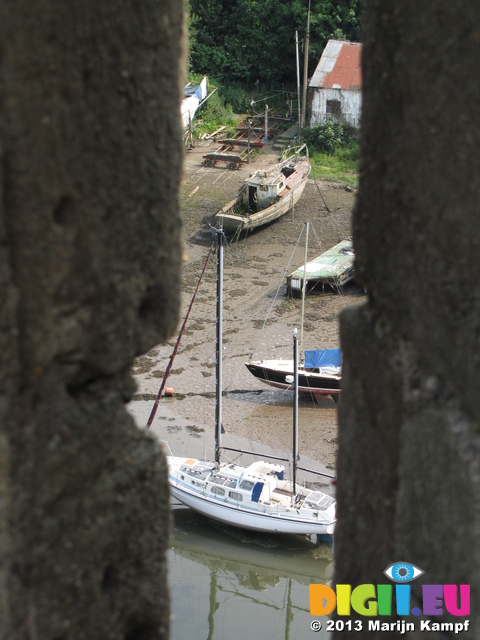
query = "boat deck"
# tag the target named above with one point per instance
(291, 182)
(334, 268)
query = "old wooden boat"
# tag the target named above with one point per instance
(334, 268)
(268, 193)
(258, 496)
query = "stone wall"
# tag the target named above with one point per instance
(90, 144)
(408, 466)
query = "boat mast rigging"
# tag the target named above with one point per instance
(220, 239)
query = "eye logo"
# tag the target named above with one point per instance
(403, 572)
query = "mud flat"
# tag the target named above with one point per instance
(258, 322)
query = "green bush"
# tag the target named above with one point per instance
(334, 152)
(330, 137)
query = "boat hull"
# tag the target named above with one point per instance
(266, 196)
(275, 373)
(234, 223)
(192, 100)
(237, 517)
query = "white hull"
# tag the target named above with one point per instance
(190, 103)
(275, 514)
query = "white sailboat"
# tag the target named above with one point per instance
(257, 496)
(193, 97)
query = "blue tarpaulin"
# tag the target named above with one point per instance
(194, 91)
(316, 358)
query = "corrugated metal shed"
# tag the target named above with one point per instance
(339, 66)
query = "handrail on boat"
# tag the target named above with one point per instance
(294, 151)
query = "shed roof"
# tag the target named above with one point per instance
(339, 66)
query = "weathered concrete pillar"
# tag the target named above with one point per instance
(90, 144)
(408, 466)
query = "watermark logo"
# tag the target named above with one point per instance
(371, 600)
(403, 572)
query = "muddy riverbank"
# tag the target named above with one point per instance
(258, 321)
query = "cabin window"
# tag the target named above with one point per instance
(235, 496)
(247, 485)
(228, 482)
(218, 491)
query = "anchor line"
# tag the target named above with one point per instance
(175, 349)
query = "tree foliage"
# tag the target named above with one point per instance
(248, 40)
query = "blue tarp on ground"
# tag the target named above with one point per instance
(316, 358)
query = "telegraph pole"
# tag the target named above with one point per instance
(305, 67)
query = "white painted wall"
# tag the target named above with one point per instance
(351, 104)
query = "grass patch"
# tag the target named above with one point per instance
(334, 152)
(333, 168)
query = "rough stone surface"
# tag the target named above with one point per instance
(408, 477)
(90, 143)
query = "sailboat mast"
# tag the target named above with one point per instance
(304, 284)
(295, 410)
(298, 85)
(219, 347)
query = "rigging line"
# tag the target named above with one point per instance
(317, 239)
(240, 368)
(322, 196)
(279, 286)
(175, 349)
(271, 306)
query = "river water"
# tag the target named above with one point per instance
(226, 583)
(230, 584)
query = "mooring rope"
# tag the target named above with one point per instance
(175, 349)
